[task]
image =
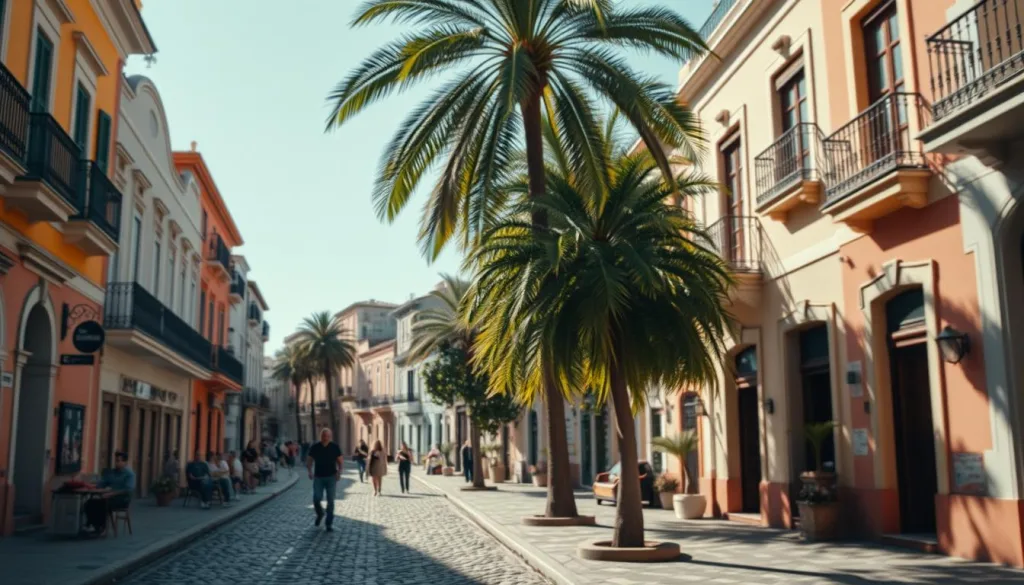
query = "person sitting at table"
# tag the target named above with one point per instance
(120, 479)
(221, 474)
(198, 474)
(235, 469)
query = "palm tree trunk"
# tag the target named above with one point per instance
(474, 442)
(561, 503)
(298, 419)
(312, 412)
(335, 423)
(629, 512)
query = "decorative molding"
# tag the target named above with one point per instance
(6, 263)
(161, 209)
(723, 117)
(141, 181)
(175, 229)
(44, 264)
(61, 10)
(123, 162)
(85, 49)
(781, 46)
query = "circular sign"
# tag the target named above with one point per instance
(88, 337)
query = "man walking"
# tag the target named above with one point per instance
(324, 462)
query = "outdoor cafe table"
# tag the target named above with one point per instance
(69, 509)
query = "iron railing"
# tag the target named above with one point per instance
(877, 142)
(103, 206)
(713, 21)
(255, 315)
(129, 306)
(14, 116)
(264, 401)
(218, 251)
(737, 239)
(266, 331)
(795, 156)
(54, 158)
(237, 285)
(226, 363)
(975, 53)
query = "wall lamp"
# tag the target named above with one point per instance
(953, 345)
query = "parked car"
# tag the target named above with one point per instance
(606, 485)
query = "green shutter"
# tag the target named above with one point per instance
(41, 74)
(103, 141)
(83, 103)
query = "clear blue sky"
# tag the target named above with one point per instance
(248, 81)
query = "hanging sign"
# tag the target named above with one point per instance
(88, 337)
(71, 359)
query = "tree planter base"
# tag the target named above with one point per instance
(559, 521)
(486, 488)
(651, 552)
(689, 506)
(540, 480)
(164, 500)
(819, 522)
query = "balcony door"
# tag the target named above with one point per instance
(732, 174)
(887, 122)
(795, 155)
(41, 73)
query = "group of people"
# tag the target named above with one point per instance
(374, 462)
(232, 475)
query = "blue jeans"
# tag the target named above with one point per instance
(362, 468)
(467, 470)
(224, 484)
(320, 485)
(205, 488)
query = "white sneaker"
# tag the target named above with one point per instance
(204, 506)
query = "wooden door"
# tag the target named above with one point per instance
(887, 125)
(107, 434)
(915, 438)
(750, 448)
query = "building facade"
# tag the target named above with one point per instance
(62, 84)
(864, 226)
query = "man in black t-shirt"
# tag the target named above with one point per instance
(324, 462)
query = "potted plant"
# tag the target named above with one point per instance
(165, 490)
(690, 504)
(494, 464)
(818, 501)
(539, 473)
(446, 451)
(666, 486)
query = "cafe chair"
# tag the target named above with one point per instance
(121, 515)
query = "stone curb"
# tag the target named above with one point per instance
(168, 545)
(540, 561)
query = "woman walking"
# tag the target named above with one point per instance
(378, 466)
(467, 461)
(362, 452)
(404, 467)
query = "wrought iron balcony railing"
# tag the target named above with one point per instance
(975, 53)
(129, 306)
(713, 21)
(795, 156)
(217, 251)
(875, 143)
(54, 159)
(226, 363)
(738, 240)
(266, 331)
(255, 314)
(237, 285)
(14, 116)
(103, 206)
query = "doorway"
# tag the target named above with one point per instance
(31, 460)
(586, 449)
(657, 458)
(750, 430)
(913, 433)
(692, 462)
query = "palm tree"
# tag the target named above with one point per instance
(288, 369)
(329, 348)
(446, 325)
(517, 59)
(619, 293)
(680, 446)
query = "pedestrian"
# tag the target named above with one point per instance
(378, 466)
(404, 467)
(362, 452)
(251, 465)
(467, 461)
(324, 461)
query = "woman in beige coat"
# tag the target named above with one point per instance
(378, 466)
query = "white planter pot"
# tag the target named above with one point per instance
(667, 500)
(689, 506)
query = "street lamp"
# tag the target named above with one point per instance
(953, 345)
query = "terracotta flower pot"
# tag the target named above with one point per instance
(540, 479)
(689, 506)
(448, 471)
(164, 499)
(497, 472)
(819, 521)
(666, 500)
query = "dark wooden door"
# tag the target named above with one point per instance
(915, 440)
(750, 449)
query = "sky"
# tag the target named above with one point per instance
(248, 80)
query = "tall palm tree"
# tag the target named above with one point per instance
(329, 348)
(516, 59)
(447, 325)
(288, 368)
(621, 292)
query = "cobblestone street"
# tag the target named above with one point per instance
(394, 539)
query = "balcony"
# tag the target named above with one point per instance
(237, 292)
(788, 173)
(976, 63)
(713, 21)
(255, 314)
(266, 331)
(52, 187)
(408, 403)
(738, 240)
(139, 324)
(219, 257)
(96, 229)
(225, 362)
(875, 166)
(14, 126)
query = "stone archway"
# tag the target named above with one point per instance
(33, 402)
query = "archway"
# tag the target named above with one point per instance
(33, 405)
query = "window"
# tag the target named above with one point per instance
(170, 278)
(793, 107)
(732, 171)
(202, 308)
(209, 322)
(181, 298)
(136, 247)
(83, 104)
(41, 73)
(220, 326)
(103, 140)
(156, 269)
(111, 266)
(203, 226)
(883, 52)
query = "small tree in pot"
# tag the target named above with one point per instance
(165, 490)
(666, 486)
(818, 501)
(446, 451)
(539, 473)
(690, 504)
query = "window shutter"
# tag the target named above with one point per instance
(83, 103)
(103, 141)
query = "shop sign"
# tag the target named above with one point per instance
(88, 337)
(969, 473)
(71, 359)
(860, 442)
(6, 380)
(143, 391)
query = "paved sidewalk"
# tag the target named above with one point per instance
(713, 551)
(41, 559)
